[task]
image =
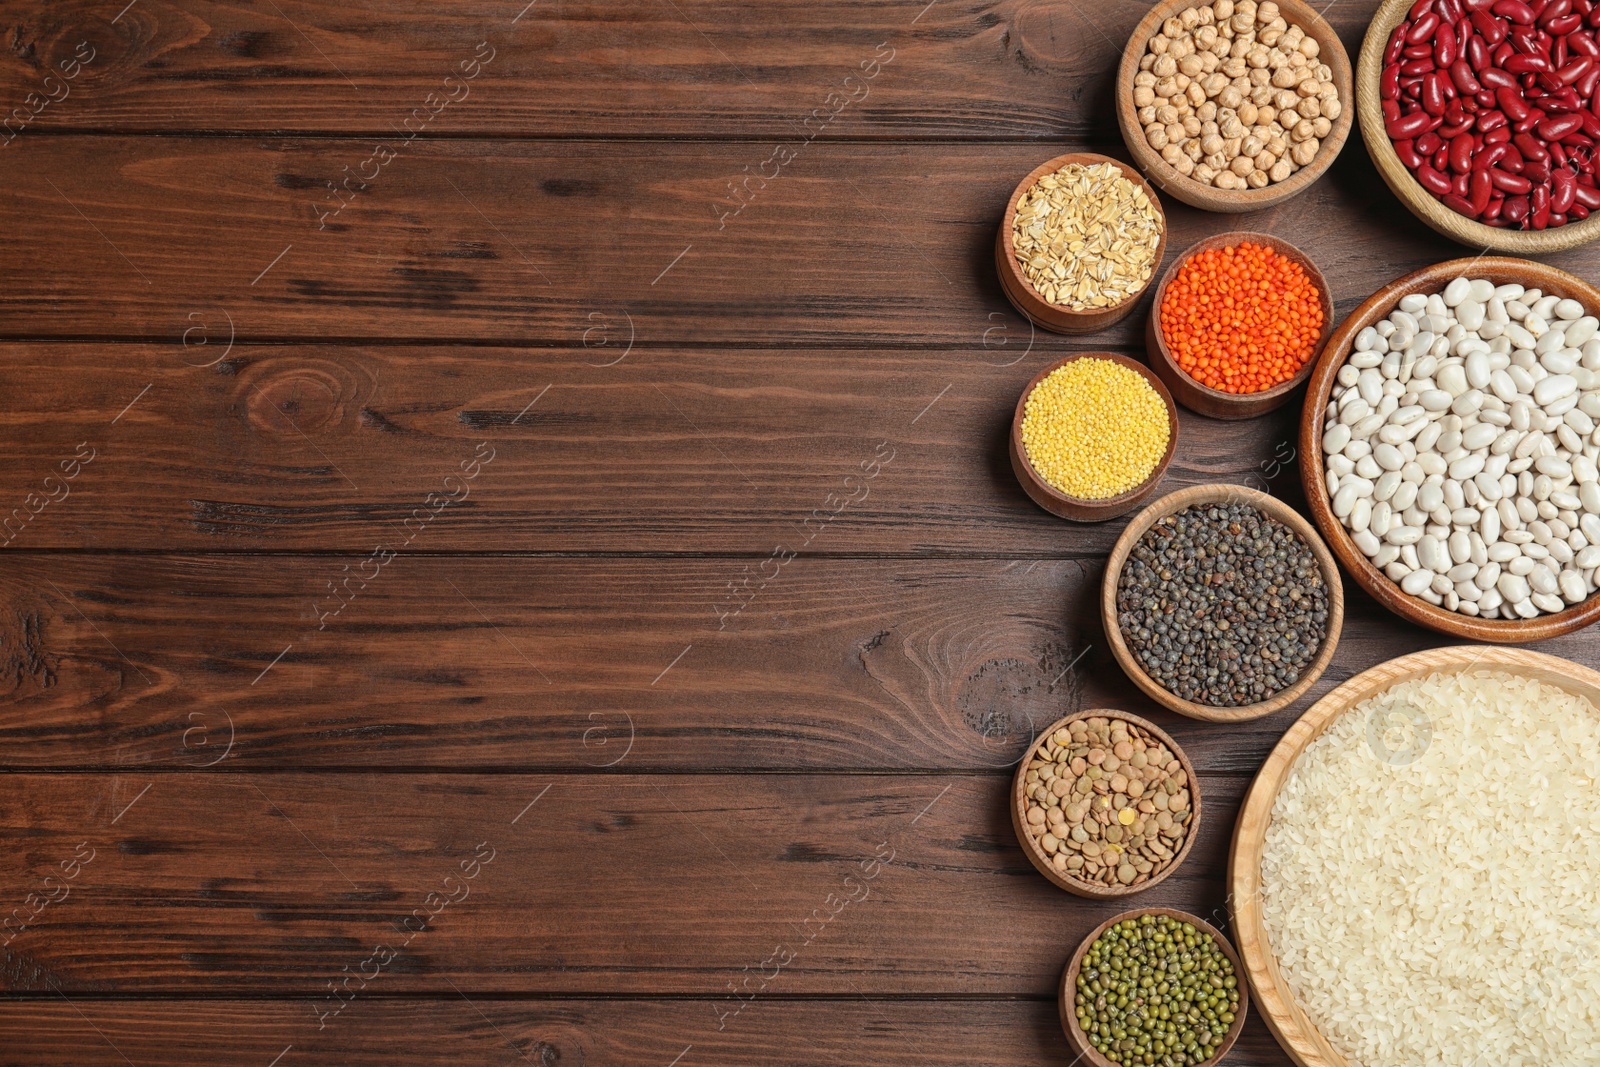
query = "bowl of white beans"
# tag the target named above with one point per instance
(1450, 448)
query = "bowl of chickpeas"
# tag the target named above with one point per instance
(1234, 105)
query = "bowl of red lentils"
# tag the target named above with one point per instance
(1237, 324)
(1092, 435)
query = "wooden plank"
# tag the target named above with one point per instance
(577, 664)
(590, 884)
(592, 1033)
(539, 243)
(960, 69)
(325, 448)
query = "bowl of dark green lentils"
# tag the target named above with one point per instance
(1153, 988)
(1222, 603)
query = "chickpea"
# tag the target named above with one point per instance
(1165, 66)
(1280, 171)
(1310, 48)
(1191, 65)
(1303, 131)
(1322, 126)
(1172, 28)
(1211, 146)
(1183, 46)
(1184, 166)
(1208, 62)
(1251, 146)
(1217, 161)
(1234, 67)
(1167, 87)
(1209, 128)
(1260, 78)
(1205, 17)
(1143, 96)
(1191, 126)
(1155, 135)
(1197, 95)
(1158, 44)
(1229, 97)
(1233, 126)
(1248, 113)
(1257, 179)
(1147, 116)
(1305, 151)
(1283, 78)
(1309, 108)
(1175, 133)
(1223, 8)
(1172, 153)
(1190, 18)
(1191, 148)
(1203, 173)
(1145, 78)
(1206, 36)
(1207, 113)
(1269, 37)
(1332, 109)
(1265, 161)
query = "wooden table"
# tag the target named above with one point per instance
(511, 555)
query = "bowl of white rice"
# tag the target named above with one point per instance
(1415, 875)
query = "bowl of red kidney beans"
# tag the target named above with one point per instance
(1484, 117)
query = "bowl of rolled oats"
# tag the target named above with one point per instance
(1081, 240)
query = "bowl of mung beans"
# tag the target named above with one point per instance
(1155, 987)
(1092, 435)
(1222, 603)
(1081, 239)
(1105, 804)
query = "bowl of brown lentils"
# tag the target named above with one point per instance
(1222, 603)
(1105, 804)
(1234, 105)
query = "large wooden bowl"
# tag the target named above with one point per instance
(1076, 508)
(1501, 271)
(1457, 227)
(1024, 297)
(1214, 402)
(1229, 494)
(1041, 859)
(1274, 1000)
(1066, 998)
(1208, 197)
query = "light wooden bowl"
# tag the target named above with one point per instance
(1501, 271)
(1286, 1019)
(1067, 996)
(1208, 197)
(1041, 859)
(1075, 508)
(1419, 201)
(1208, 494)
(1214, 402)
(1021, 292)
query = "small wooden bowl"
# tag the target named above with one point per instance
(1075, 508)
(1214, 402)
(1041, 859)
(1500, 270)
(1273, 508)
(1284, 1016)
(1068, 995)
(1021, 292)
(1208, 197)
(1419, 201)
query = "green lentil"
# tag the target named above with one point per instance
(1157, 992)
(1222, 605)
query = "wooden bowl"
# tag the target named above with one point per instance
(1036, 852)
(1214, 402)
(1285, 1018)
(1067, 997)
(1231, 494)
(1501, 271)
(1208, 197)
(1419, 201)
(1024, 297)
(1075, 508)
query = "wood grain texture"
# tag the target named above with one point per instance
(228, 883)
(1304, 1043)
(963, 69)
(1500, 270)
(840, 664)
(325, 448)
(547, 1033)
(1273, 508)
(1177, 186)
(524, 242)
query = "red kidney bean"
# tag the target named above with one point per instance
(1515, 10)
(1441, 161)
(1585, 85)
(1391, 111)
(1539, 206)
(1557, 219)
(1591, 123)
(1477, 5)
(1587, 196)
(1537, 170)
(1428, 143)
(1389, 82)
(1418, 9)
(1577, 213)
(1410, 158)
(1521, 64)
(1493, 30)
(1490, 120)
(1502, 52)
(1558, 53)
(1491, 154)
(1444, 50)
(1461, 74)
(1456, 114)
(1582, 45)
(1415, 68)
(1449, 10)
(1433, 101)
(1449, 133)
(1418, 51)
(1512, 161)
(1491, 214)
(1575, 70)
(1592, 19)
(1432, 180)
(1397, 42)
(1553, 129)
(1563, 190)
(1498, 136)
(1516, 109)
(1537, 7)
(1460, 205)
(1516, 208)
(1479, 188)
(1423, 27)
(1558, 156)
(1530, 147)
(1461, 149)
(1477, 52)
(1511, 183)
(1564, 25)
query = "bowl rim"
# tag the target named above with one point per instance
(1231, 239)
(1499, 269)
(1459, 228)
(1284, 1016)
(1069, 981)
(1273, 508)
(1208, 197)
(1035, 852)
(1008, 221)
(1109, 502)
